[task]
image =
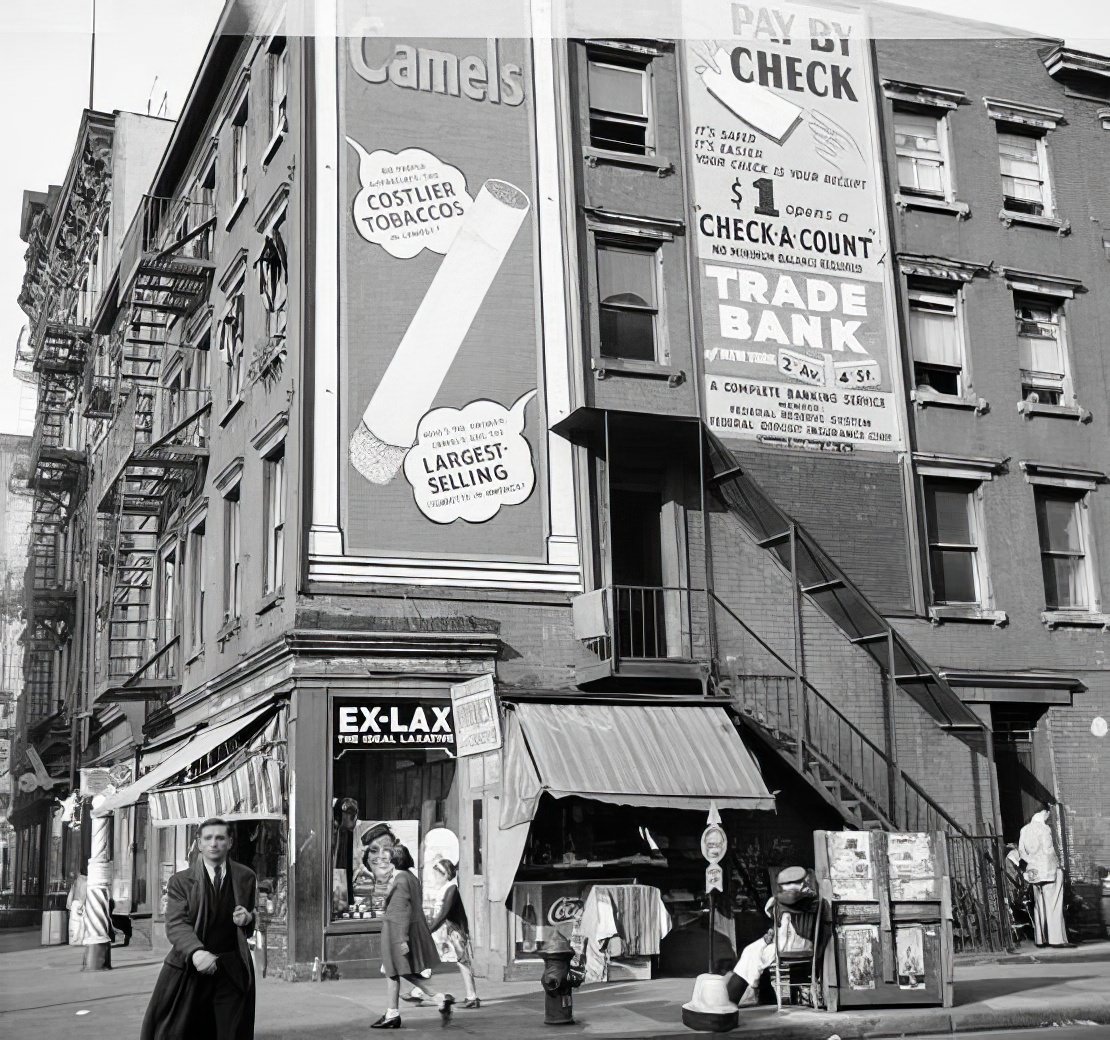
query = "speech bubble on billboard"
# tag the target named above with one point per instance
(469, 462)
(409, 200)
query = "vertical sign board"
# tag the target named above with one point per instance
(477, 719)
(792, 252)
(444, 430)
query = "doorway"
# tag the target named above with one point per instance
(636, 554)
(1020, 759)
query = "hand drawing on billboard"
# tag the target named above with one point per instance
(428, 348)
(467, 463)
(409, 200)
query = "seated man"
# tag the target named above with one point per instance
(797, 924)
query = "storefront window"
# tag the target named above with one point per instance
(55, 866)
(391, 777)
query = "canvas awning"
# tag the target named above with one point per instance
(663, 756)
(199, 745)
(248, 786)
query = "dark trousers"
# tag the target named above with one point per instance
(227, 1002)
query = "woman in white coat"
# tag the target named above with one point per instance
(1044, 874)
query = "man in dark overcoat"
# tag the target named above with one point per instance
(206, 986)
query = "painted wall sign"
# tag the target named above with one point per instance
(441, 323)
(790, 232)
(389, 723)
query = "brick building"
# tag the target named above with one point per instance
(579, 366)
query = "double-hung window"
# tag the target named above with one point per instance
(273, 278)
(277, 68)
(1023, 159)
(921, 147)
(232, 336)
(239, 163)
(273, 508)
(952, 524)
(628, 282)
(620, 100)
(195, 555)
(233, 567)
(937, 341)
(1065, 548)
(1042, 349)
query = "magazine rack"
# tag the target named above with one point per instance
(891, 907)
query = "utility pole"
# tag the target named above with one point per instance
(92, 54)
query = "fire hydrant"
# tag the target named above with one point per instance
(560, 979)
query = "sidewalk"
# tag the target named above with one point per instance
(44, 994)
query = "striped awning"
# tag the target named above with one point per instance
(249, 785)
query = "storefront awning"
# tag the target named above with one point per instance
(201, 743)
(664, 756)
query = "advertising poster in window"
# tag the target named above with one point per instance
(790, 230)
(444, 426)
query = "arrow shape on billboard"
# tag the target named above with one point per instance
(714, 815)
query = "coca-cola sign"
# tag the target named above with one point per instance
(564, 909)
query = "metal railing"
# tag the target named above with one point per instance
(641, 623)
(100, 395)
(140, 648)
(982, 919)
(169, 227)
(51, 570)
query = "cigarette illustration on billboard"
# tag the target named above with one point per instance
(437, 330)
(760, 108)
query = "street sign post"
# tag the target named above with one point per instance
(714, 845)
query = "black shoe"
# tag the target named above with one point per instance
(387, 1023)
(472, 1002)
(446, 1008)
(1062, 946)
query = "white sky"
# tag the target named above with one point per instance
(44, 75)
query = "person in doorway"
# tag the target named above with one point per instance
(1044, 874)
(206, 986)
(407, 946)
(455, 937)
(797, 928)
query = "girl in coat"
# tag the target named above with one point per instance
(407, 946)
(455, 936)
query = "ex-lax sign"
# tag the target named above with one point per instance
(477, 721)
(388, 723)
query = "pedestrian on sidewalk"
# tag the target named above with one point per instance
(455, 937)
(206, 986)
(1044, 874)
(407, 946)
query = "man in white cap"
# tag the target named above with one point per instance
(1045, 877)
(796, 931)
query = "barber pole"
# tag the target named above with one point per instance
(98, 924)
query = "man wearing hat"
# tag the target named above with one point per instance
(797, 928)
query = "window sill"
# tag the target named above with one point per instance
(959, 210)
(939, 615)
(229, 629)
(270, 600)
(271, 149)
(604, 367)
(1075, 619)
(195, 656)
(602, 156)
(1010, 218)
(231, 410)
(240, 205)
(928, 398)
(1060, 411)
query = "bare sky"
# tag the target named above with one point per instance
(147, 51)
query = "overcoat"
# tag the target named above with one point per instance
(403, 922)
(176, 1010)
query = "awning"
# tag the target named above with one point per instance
(662, 756)
(248, 786)
(202, 742)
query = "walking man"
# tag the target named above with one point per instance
(206, 986)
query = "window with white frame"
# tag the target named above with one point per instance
(620, 100)
(273, 278)
(277, 69)
(629, 291)
(1023, 159)
(196, 569)
(239, 164)
(937, 340)
(1042, 348)
(273, 510)
(921, 147)
(952, 525)
(1062, 527)
(232, 339)
(233, 567)
(165, 627)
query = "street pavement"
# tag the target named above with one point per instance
(44, 995)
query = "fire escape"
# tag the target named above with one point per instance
(155, 448)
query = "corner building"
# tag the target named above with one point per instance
(583, 365)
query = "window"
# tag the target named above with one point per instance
(277, 67)
(196, 587)
(1024, 163)
(239, 154)
(628, 294)
(936, 338)
(1041, 348)
(233, 568)
(273, 559)
(1065, 556)
(167, 599)
(232, 334)
(620, 104)
(273, 279)
(921, 146)
(951, 524)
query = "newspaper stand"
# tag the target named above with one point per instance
(891, 907)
